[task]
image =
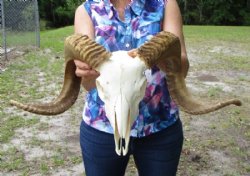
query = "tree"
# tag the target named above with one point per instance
(216, 12)
(58, 13)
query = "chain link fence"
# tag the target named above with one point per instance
(19, 26)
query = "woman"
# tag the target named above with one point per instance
(156, 135)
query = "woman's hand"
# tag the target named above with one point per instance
(83, 70)
(132, 53)
(87, 74)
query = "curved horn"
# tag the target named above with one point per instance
(77, 47)
(164, 51)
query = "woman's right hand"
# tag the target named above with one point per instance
(87, 74)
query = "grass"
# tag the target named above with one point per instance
(58, 160)
(38, 75)
(214, 91)
(236, 63)
(14, 84)
(13, 160)
(220, 33)
(226, 62)
(76, 159)
(20, 82)
(9, 125)
(44, 168)
(58, 36)
(20, 38)
(29, 38)
(224, 52)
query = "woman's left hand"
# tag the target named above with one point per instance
(132, 53)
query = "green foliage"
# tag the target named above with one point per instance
(245, 17)
(54, 13)
(57, 13)
(28, 16)
(20, 17)
(221, 12)
(216, 12)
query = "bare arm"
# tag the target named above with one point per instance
(173, 23)
(84, 25)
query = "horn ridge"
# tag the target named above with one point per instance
(47, 108)
(152, 50)
(164, 51)
(79, 47)
(86, 49)
(63, 102)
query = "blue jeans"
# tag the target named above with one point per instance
(155, 155)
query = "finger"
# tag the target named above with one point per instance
(86, 73)
(132, 53)
(81, 65)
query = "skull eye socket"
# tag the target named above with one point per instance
(144, 73)
(103, 93)
(99, 86)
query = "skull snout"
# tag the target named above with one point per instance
(122, 125)
(121, 86)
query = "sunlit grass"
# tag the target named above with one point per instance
(54, 39)
(19, 39)
(219, 33)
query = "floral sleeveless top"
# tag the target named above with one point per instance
(143, 19)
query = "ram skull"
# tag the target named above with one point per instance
(121, 84)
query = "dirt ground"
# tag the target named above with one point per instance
(215, 144)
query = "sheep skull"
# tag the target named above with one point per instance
(121, 85)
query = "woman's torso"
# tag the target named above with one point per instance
(142, 20)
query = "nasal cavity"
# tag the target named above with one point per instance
(122, 143)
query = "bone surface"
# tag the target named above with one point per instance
(121, 85)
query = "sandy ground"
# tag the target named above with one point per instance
(59, 135)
